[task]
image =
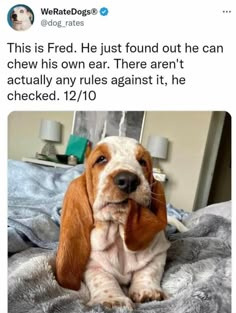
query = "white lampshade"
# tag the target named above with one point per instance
(50, 130)
(157, 146)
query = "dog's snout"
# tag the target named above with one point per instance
(127, 181)
(14, 16)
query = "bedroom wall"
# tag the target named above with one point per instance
(187, 133)
(23, 132)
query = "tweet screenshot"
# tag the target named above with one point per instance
(117, 143)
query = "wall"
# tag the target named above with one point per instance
(23, 132)
(187, 133)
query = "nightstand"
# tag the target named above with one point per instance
(46, 163)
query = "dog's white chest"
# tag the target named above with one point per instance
(110, 252)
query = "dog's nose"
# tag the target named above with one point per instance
(127, 181)
(14, 16)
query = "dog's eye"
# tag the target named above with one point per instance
(101, 159)
(142, 162)
(21, 11)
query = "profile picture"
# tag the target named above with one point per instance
(20, 17)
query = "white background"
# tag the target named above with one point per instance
(210, 77)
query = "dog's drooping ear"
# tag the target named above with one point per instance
(30, 15)
(144, 223)
(74, 244)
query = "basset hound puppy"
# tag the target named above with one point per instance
(112, 225)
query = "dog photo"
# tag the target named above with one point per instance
(20, 17)
(141, 223)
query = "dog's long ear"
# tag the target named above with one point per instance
(74, 242)
(30, 15)
(144, 223)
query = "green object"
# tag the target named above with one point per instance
(77, 146)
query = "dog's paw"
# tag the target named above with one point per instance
(147, 295)
(113, 301)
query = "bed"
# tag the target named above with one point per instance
(197, 275)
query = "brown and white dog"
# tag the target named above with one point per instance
(112, 226)
(21, 18)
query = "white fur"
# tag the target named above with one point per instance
(180, 226)
(23, 18)
(111, 264)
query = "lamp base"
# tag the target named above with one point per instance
(49, 150)
(157, 170)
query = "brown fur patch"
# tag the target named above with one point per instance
(93, 169)
(74, 242)
(143, 154)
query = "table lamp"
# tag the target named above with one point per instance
(158, 147)
(50, 131)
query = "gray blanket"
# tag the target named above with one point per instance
(198, 269)
(35, 195)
